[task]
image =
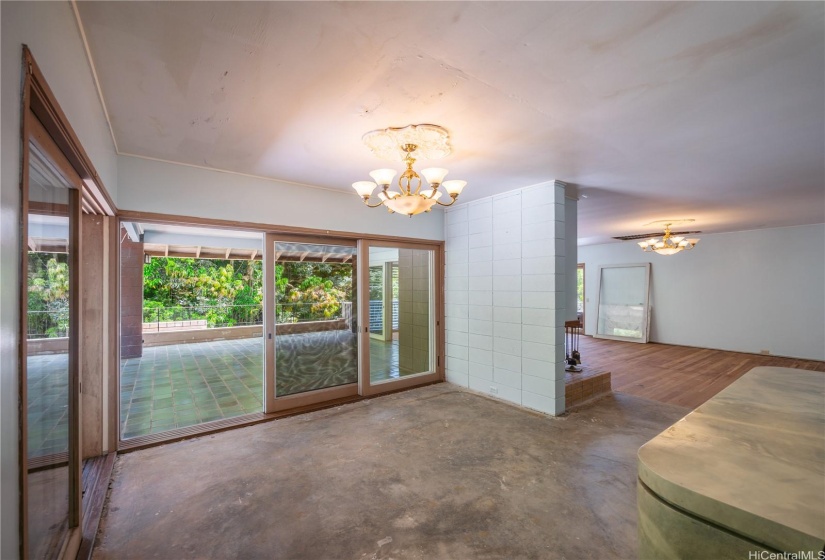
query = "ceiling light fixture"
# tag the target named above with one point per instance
(422, 140)
(668, 244)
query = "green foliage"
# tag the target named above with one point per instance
(224, 292)
(580, 284)
(311, 291)
(48, 295)
(228, 293)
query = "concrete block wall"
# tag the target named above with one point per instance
(414, 310)
(504, 296)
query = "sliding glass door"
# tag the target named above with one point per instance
(50, 424)
(312, 323)
(403, 351)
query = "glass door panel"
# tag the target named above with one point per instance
(407, 347)
(51, 356)
(316, 344)
(377, 301)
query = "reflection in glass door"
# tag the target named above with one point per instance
(407, 345)
(51, 370)
(316, 344)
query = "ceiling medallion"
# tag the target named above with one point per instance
(423, 140)
(431, 142)
(668, 244)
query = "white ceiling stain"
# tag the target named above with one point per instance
(713, 111)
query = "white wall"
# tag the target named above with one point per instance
(744, 291)
(50, 31)
(154, 186)
(504, 297)
(571, 259)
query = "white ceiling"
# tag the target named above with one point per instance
(712, 111)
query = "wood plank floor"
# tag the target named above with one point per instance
(678, 375)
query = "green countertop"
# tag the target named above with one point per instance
(751, 459)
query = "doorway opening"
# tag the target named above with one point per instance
(580, 295)
(191, 312)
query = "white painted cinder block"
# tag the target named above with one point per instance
(455, 310)
(507, 299)
(507, 378)
(507, 361)
(539, 385)
(479, 283)
(480, 209)
(538, 214)
(480, 255)
(541, 403)
(482, 311)
(538, 368)
(455, 324)
(535, 333)
(510, 346)
(538, 195)
(459, 269)
(507, 314)
(456, 337)
(456, 257)
(456, 214)
(538, 300)
(506, 267)
(507, 393)
(455, 296)
(456, 351)
(482, 356)
(461, 379)
(539, 283)
(480, 225)
(505, 296)
(545, 231)
(457, 229)
(480, 297)
(476, 326)
(482, 371)
(507, 330)
(457, 365)
(481, 239)
(479, 341)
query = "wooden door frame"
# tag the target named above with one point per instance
(365, 386)
(44, 124)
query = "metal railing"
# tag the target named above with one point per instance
(47, 324)
(216, 316)
(377, 315)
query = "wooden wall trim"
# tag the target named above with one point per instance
(154, 217)
(113, 330)
(44, 105)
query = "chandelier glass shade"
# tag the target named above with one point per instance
(669, 244)
(425, 140)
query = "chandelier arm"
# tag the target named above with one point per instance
(454, 198)
(366, 202)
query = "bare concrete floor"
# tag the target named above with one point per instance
(436, 472)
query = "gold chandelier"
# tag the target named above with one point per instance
(668, 244)
(428, 140)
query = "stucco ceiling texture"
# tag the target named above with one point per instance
(712, 111)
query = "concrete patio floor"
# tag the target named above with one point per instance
(185, 384)
(435, 472)
(181, 385)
